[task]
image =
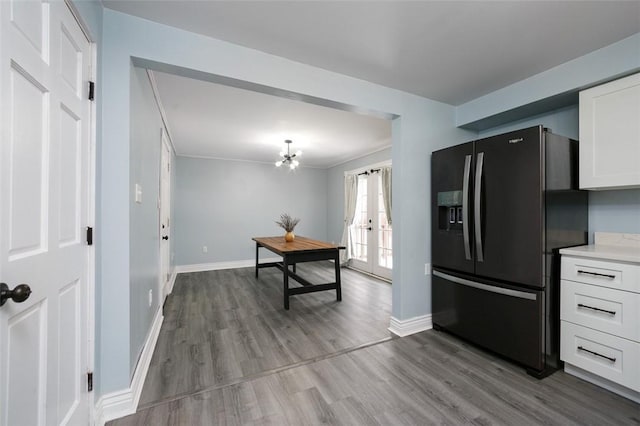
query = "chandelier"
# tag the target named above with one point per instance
(288, 158)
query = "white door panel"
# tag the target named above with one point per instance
(31, 18)
(70, 178)
(26, 343)
(28, 164)
(44, 199)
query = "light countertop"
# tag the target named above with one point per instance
(605, 252)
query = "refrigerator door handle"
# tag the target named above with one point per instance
(476, 206)
(465, 207)
(486, 287)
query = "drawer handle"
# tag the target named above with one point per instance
(580, 271)
(580, 305)
(580, 348)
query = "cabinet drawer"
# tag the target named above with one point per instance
(611, 357)
(618, 275)
(611, 311)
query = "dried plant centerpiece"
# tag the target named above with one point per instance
(288, 223)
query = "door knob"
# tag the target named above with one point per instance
(369, 228)
(166, 237)
(18, 294)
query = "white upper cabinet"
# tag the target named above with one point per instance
(610, 135)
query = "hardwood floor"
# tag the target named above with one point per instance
(228, 353)
(224, 325)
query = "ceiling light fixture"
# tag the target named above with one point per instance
(288, 158)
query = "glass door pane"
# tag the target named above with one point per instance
(361, 221)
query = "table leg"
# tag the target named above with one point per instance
(285, 290)
(338, 285)
(257, 250)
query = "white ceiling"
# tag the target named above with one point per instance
(450, 51)
(216, 121)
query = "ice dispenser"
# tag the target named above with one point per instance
(450, 210)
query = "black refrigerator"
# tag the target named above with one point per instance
(502, 207)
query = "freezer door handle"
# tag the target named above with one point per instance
(465, 207)
(476, 207)
(486, 287)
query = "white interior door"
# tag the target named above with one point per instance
(165, 215)
(44, 192)
(370, 230)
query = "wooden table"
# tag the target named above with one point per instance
(300, 250)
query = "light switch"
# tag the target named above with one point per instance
(138, 193)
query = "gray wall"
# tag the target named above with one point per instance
(563, 121)
(223, 204)
(422, 125)
(614, 211)
(144, 241)
(335, 191)
(609, 211)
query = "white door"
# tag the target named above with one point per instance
(370, 230)
(44, 201)
(165, 216)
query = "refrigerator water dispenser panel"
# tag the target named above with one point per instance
(450, 210)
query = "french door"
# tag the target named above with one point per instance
(370, 231)
(45, 195)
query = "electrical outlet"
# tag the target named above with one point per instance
(427, 269)
(150, 297)
(205, 249)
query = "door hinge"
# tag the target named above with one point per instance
(89, 236)
(90, 381)
(92, 90)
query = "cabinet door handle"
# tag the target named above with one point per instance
(580, 271)
(580, 348)
(580, 305)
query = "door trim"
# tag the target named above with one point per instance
(91, 208)
(165, 279)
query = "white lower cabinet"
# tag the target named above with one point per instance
(600, 322)
(607, 356)
(611, 311)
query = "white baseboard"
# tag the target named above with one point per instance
(172, 281)
(602, 382)
(410, 326)
(124, 402)
(200, 267)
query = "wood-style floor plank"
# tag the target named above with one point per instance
(228, 354)
(222, 326)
